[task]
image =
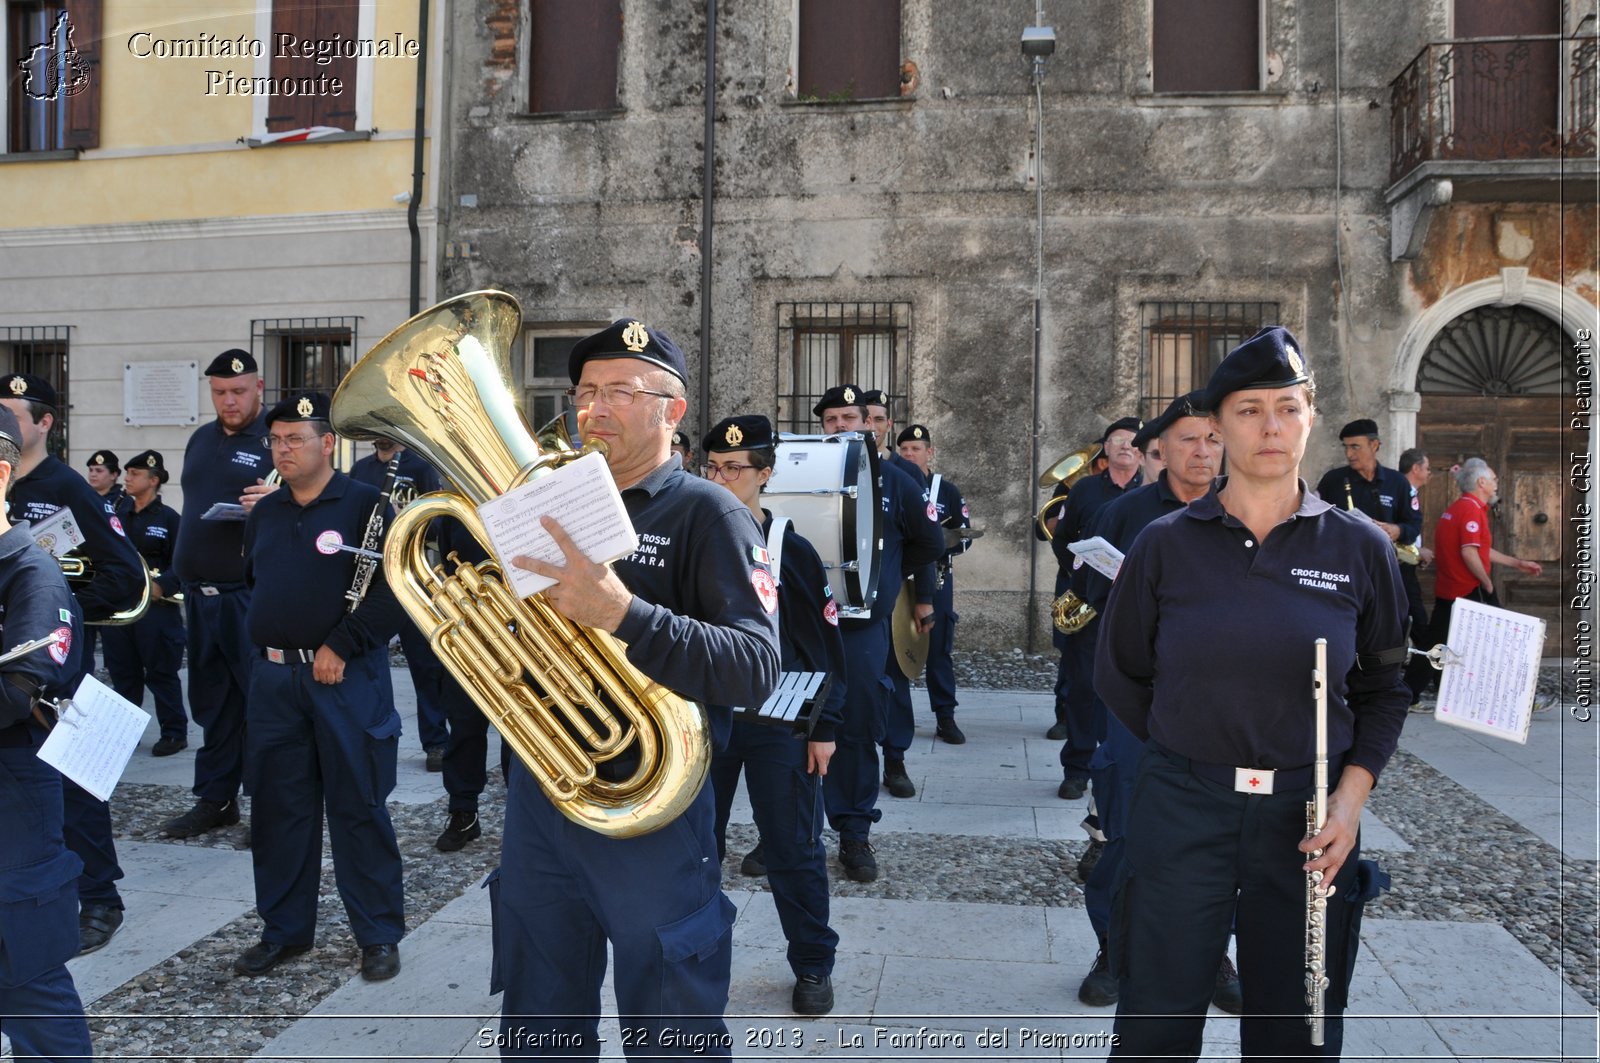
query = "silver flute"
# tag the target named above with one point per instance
(1317, 893)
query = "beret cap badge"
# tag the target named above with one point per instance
(635, 338)
(734, 435)
(917, 432)
(1295, 361)
(19, 386)
(304, 406)
(150, 462)
(849, 394)
(236, 365)
(98, 459)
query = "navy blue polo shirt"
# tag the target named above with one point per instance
(413, 469)
(118, 577)
(1083, 501)
(911, 544)
(703, 620)
(1206, 641)
(153, 531)
(1387, 497)
(34, 601)
(1119, 523)
(950, 511)
(907, 466)
(298, 575)
(808, 624)
(218, 467)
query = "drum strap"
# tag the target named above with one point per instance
(933, 490)
(775, 547)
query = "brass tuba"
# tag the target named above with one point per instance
(79, 570)
(563, 696)
(1068, 471)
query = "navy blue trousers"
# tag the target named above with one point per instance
(39, 1006)
(899, 721)
(563, 891)
(850, 789)
(787, 803)
(149, 653)
(1111, 771)
(221, 658)
(87, 829)
(316, 747)
(1196, 852)
(1085, 714)
(466, 753)
(1060, 642)
(428, 677)
(941, 673)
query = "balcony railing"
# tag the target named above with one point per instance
(1494, 98)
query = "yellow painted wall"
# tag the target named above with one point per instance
(161, 103)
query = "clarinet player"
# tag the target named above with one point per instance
(1206, 655)
(323, 731)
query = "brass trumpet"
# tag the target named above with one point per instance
(564, 697)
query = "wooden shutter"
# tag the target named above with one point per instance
(849, 49)
(313, 21)
(83, 108)
(572, 55)
(1206, 45)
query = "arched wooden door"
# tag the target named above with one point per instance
(1491, 384)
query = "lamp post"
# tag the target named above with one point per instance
(1038, 44)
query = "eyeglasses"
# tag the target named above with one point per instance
(728, 473)
(286, 442)
(610, 394)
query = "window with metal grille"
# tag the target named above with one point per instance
(821, 345)
(305, 354)
(572, 55)
(311, 22)
(847, 49)
(1206, 45)
(42, 351)
(1183, 342)
(52, 93)
(545, 348)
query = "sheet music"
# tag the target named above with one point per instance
(58, 533)
(1098, 555)
(1490, 670)
(96, 734)
(582, 497)
(224, 511)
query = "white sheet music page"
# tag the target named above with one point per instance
(92, 741)
(58, 533)
(1490, 671)
(583, 499)
(1098, 555)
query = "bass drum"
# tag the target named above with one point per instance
(828, 486)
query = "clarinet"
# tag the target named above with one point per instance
(367, 560)
(1317, 893)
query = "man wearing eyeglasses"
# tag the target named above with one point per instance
(224, 462)
(323, 730)
(696, 607)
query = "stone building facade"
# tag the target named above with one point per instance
(875, 212)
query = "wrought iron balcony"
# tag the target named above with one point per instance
(1492, 99)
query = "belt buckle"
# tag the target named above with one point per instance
(208, 590)
(275, 656)
(1253, 780)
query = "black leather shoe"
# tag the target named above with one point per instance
(380, 962)
(263, 956)
(948, 732)
(435, 758)
(1057, 732)
(462, 828)
(204, 816)
(855, 855)
(1227, 996)
(165, 747)
(755, 865)
(1090, 857)
(1099, 989)
(896, 781)
(1072, 789)
(813, 995)
(97, 925)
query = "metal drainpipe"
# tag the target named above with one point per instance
(1038, 331)
(416, 158)
(708, 163)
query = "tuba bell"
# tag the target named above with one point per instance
(1066, 472)
(564, 697)
(79, 571)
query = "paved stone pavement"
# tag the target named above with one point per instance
(917, 976)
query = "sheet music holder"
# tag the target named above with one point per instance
(1098, 555)
(1490, 670)
(794, 704)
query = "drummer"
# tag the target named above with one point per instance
(783, 770)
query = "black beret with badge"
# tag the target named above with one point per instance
(680, 438)
(309, 406)
(836, 397)
(751, 431)
(30, 387)
(1269, 359)
(628, 338)
(1362, 426)
(106, 458)
(875, 397)
(231, 363)
(1190, 405)
(151, 462)
(1121, 424)
(916, 433)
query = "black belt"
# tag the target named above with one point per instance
(1229, 774)
(211, 589)
(277, 656)
(17, 736)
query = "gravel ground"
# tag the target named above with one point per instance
(1469, 862)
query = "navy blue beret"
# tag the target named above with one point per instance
(307, 406)
(1121, 424)
(875, 397)
(230, 363)
(1363, 426)
(628, 338)
(916, 433)
(150, 461)
(752, 431)
(1269, 359)
(30, 387)
(843, 395)
(9, 429)
(106, 458)
(1190, 405)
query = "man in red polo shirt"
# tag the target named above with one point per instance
(1464, 550)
